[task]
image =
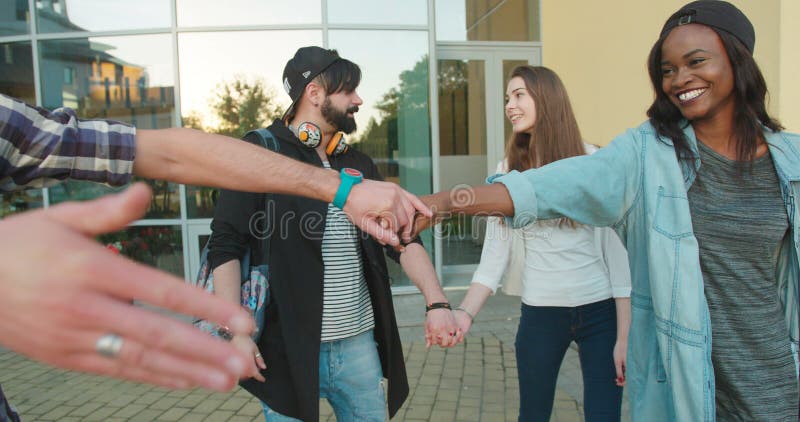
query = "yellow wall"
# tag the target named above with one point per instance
(790, 65)
(600, 48)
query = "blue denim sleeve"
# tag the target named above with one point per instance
(596, 189)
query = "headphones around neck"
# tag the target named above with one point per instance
(310, 135)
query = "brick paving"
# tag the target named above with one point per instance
(476, 381)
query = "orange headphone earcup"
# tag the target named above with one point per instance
(337, 145)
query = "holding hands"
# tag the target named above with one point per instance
(441, 328)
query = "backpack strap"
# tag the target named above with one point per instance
(266, 138)
(268, 141)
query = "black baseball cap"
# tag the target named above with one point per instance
(307, 63)
(717, 14)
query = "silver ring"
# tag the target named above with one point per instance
(109, 345)
(258, 355)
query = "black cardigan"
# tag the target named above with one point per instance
(296, 288)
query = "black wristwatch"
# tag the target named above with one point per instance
(437, 305)
(224, 333)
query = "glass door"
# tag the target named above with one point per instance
(472, 135)
(198, 233)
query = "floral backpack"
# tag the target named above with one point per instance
(255, 278)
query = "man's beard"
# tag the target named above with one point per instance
(339, 119)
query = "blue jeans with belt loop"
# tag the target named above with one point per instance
(543, 336)
(351, 378)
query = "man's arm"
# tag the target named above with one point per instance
(190, 156)
(440, 325)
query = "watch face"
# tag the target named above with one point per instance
(352, 172)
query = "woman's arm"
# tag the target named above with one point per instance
(623, 305)
(596, 189)
(470, 307)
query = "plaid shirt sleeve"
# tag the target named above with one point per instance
(39, 148)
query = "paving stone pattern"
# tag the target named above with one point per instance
(476, 381)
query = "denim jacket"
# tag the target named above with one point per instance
(637, 186)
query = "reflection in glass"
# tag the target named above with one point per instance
(128, 79)
(158, 246)
(219, 95)
(246, 62)
(487, 20)
(14, 17)
(166, 202)
(14, 202)
(248, 12)
(200, 201)
(462, 108)
(394, 123)
(16, 71)
(101, 15)
(377, 12)
(462, 137)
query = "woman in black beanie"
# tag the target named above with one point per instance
(706, 197)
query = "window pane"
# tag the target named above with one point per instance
(393, 122)
(16, 80)
(14, 17)
(166, 202)
(463, 146)
(487, 20)
(248, 12)
(158, 246)
(16, 71)
(462, 108)
(408, 12)
(128, 79)
(233, 71)
(101, 15)
(200, 201)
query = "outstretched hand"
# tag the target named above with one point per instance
(60, 291)
(438, 203)
(384, 210)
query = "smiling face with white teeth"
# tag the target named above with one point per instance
(520, 107)
(696, 74)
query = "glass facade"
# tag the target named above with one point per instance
(170, 63)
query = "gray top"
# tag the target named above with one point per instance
(739, 220)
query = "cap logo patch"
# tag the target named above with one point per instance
(306, 73)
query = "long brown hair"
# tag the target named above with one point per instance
(555, 132)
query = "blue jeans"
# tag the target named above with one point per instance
(351, 378)
(543, 336)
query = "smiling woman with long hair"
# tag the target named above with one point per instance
(575, 278)
(705, 195)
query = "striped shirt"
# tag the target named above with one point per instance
(39, 148)
(346, 306)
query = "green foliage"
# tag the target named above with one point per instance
(239, 105)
